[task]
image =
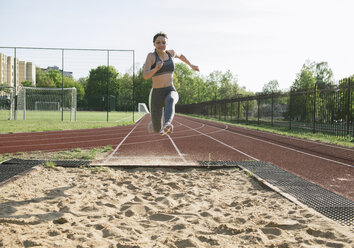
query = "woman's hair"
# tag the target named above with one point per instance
(159, 34)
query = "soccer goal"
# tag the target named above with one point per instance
(142, 108)
(46, 102)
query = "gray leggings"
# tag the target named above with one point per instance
(162, 99)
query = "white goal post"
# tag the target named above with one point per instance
(47, 99)
(142, 108)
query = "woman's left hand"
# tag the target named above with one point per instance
(195, 67)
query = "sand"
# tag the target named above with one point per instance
(156, 208)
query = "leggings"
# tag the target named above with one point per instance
(162, 100)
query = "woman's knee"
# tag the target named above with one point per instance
(172, 98)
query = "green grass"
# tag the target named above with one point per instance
(74, 154)
(39, 121)
(49, 164)
(346, 141)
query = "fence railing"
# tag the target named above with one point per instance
(328, 111)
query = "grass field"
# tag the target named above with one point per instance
(37, 121)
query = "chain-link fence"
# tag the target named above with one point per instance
(103, 80)
(319, 110)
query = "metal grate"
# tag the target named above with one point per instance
(13, 167)
(7, 171)
(64, 163)
(322, 200)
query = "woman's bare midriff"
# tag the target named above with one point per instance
(162, 81)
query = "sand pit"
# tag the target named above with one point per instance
(156, 208)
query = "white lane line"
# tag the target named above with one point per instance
(116, 149)
(179, 137)
(148, 157)
(302, 140)
(178, 151)
(233, 148)
(291, 149)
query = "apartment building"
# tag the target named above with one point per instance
(3, 68)
(24, 71)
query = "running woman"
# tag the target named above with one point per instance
(163, 96)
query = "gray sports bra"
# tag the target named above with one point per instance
(167, 67)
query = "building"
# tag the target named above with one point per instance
(31, 72)
(3, 68)
(66, 73)
(24, 71)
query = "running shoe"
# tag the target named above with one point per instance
(167, 128)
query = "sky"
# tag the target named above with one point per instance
(257, 40)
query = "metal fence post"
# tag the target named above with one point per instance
(272, 107)
(15, 85)
(62, 85)
(348, 108)
(238, 112)
(247, 112)
(225, 111)
(314, 108)
(290, 109)
(107, 85)
(258, 103)
(133, 84)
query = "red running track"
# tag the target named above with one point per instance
(193, 140)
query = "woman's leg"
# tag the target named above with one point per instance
(156, 106)
(170, 102)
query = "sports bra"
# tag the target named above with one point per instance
(167, 67)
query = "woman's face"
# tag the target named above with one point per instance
(160, 43)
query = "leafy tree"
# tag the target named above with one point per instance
(27, 83)
(142, 87)
(271, 87)
(222, 85)
(56, 76)
(69, 82)
(183, 81)
(42, 79)
(96, 88)
(125, 93)
(305, 79)
(324, 75)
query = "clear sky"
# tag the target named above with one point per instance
(257, 40)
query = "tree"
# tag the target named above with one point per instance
(27, 83)
(56, 76)
(184, 82)
(42, 79)
(324, 75)
(96, 88)
(271, 87)
(305, 79)
(142, 87)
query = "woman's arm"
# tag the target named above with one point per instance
(184, 59)
(148, 73)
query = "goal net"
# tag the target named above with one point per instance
(45, 103)
(7, 105)
(142, 108)
(47, 106)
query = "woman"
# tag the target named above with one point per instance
(160, 66)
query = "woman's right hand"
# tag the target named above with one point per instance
(159, 65)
